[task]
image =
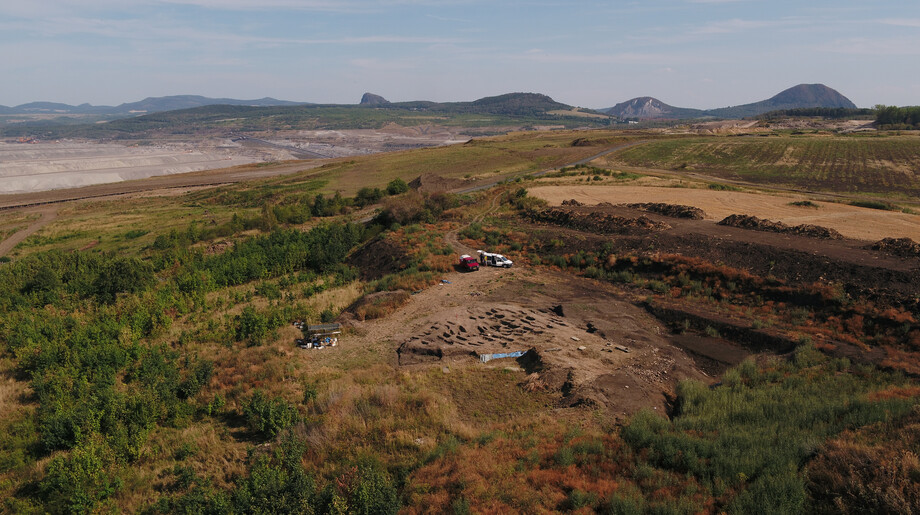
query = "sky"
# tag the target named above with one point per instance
(687, 53)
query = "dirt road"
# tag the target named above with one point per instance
(48, 214)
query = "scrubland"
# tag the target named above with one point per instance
(148, 360)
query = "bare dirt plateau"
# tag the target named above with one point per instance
(586, 342)
(851, 221)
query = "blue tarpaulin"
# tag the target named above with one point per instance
(489, 357)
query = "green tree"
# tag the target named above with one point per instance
(397, 186)
(122, 275)
(251, 325)
(81, 482)
(269, 416)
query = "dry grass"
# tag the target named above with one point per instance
(13, 392)
(211, 451)
(516, 468)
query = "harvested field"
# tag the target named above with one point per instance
(850, 221)
(884, 165)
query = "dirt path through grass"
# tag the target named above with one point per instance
(48, 214)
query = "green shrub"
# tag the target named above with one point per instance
(277, 483)
(122, 275)
(473, 231)
(578, 499)
(873, 204)
(269, 416)
(397, 186)
(723, 187)
(625, 501)
(752, 433)
(135, 233)
(564, 456)
(82, 481)
(365, 490)
(251, 325)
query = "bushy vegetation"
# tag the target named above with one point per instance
(416, 207)
(269, 416)
(277, 482)
(101, 384)
(832, 113)
(873, 204)
(739, 447)
(751, 435)
(891, 117)
(593, 171)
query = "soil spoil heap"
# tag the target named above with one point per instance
(761, 224)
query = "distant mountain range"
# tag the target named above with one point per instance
(510, 110)
(513, 104)
(801, 96)
(148, 105)
(187, 113)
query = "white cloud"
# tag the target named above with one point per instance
(538, 55)
(874, 47)
(901, 22)
(385, 65)
(734, 26)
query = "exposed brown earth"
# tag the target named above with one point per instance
(786, 256)
(904, 247)
(600, 221)
(669, 210)
(577, 354)
(850, 221)
(760, 224)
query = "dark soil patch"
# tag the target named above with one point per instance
(431, 183)
(378, 258)
(713, 355)
(684, 316)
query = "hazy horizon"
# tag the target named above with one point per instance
(688, 53)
